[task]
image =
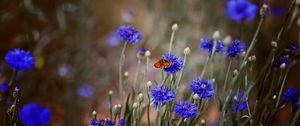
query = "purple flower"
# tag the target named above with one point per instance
(142, 51)
(186, 109)
(113, 39)
(106, 122)
(207, 44)
(239, 102)
(240, 10)
(176, 63)
(19, 59)
(121, 122)
(85, 90)
(204, 88)
(162, 94)
(235, 48)
(281, 60)
(293, 50)
(34, 114)
(293, 96)
(128, 33)
(4, 87)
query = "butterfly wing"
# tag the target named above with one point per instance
(159, 63)
(166, 63)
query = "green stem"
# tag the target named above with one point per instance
(121, 63)
(171, 41)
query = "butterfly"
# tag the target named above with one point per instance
(162, 63)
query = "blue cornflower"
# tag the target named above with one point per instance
(106, 122)
(34, 114)
(186, 109)
(162, 94)
(85, 91)
(142, 51)
(240, 10)
(293, 50)
(292, 95)
(94, 122)
(176, 63)
(236, 47)
(128, 33)
(19, 59)
(281, 60)
(239, 102)
(207, 44)
(4, 87)
(204, 88)
(113, 39)
(121, 122)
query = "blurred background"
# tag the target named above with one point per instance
(77, 52)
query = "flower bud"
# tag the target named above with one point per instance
(282, 66)
(187, 51)
(94, 113)
(126, 74)
(135, 105)
(203, 122)
(216, 35)
(147, 53)
(235, 72)
(149, 83)
(195, 96)
(274, 97)
(274, 44)
(140, 97)
(227, 40)
(174, 27)
(110, 92)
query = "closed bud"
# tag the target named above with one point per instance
(110, 92)
(274, 97)
(216, 35)
(195, 96)
(149, 83)
(203, 122)
(282, 66)
(135, 105)
(94, 113)
(243, 54)
(227, 40)
(174, 27)
(147, 53)
(187, 51)
(235, 72)
(126, 74)
(140, 97)
(274, 44)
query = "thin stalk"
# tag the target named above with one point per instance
(137, 73)
(295, 118)
(281, 88)
(157, 114)
(181, 73)
(110, 107)
(121, 63)
(254, 39)
(12, 79)
(227, 74)
(148, 106)
(171, 40)
(205, 66)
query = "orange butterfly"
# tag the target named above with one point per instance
(162, 63)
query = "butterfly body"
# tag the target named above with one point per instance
(162, 63)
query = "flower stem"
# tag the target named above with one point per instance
(227, 73)
(121, 63)
(295, 118)
(171, 40)
(157, 114)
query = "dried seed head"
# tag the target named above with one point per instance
(203, 122)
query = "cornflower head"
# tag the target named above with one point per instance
(105, 122)
(19, 59)
(34, 114)
(162, 94)
(4, 87)
(127, 33)
(203, 88)
(293, 50)
(207, 44)
(241, 10)
(235, 48)
(239, 102)
(121, 122)
(293, 96)
(282, 60)
(142, 51)
(176, 63)
(185, 109)
(94, 122)
(85, 90)
(113, 39)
